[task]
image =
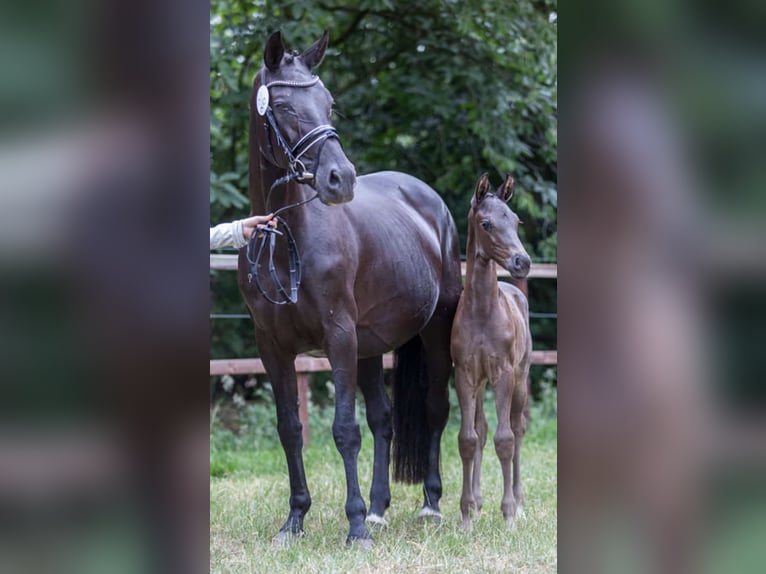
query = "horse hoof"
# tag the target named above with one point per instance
(376, 520)
(428, 513)
(283, 539)
(466, 525)
(509, 522)
(365, 544)
(520, 514)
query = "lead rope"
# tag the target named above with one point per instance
(256, 245)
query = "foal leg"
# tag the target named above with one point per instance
(281, 370)
(341, 351)
(370, 377)
(468, 440)
(519, 428)
(481, 430)
(504, 443)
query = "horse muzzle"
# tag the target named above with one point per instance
(518, 266)
(335, 182)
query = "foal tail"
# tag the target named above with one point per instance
(411, 432)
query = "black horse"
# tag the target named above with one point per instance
(379, 273)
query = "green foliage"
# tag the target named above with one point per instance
(443, 90)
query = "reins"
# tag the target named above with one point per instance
(297, 171)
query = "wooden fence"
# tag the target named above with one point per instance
(305, 364)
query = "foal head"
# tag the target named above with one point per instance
(301, 108)
(495, 227)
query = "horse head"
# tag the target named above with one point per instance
(496, 227)
(297, 133)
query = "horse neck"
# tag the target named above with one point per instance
(480, 291)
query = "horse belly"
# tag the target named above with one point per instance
(395, 316)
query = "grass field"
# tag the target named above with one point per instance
(249, 502)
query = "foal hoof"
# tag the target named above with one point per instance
(360, 543)
(284, 538)
(520, 514)
(376, 520)
(466, 525)
(428, 513)
(510, 523)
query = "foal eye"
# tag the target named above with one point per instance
(486, 224)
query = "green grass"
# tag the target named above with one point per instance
(249, 494)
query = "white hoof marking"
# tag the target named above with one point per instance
(376, 520)
(427, 512)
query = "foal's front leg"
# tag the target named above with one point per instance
(341, 351)
(504, 443)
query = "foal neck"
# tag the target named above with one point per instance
(480, 291)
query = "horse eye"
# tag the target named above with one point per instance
(486, 224)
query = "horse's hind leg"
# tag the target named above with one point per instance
(481, 430)
(281, 370)
(436, 343)
(504, 443)
(370, 380)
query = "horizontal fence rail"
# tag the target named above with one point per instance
(228, 262)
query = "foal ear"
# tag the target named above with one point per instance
(314, 55)
(275, 49)
(506, 190)
(482, 187)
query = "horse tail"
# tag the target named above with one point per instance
(411, 432)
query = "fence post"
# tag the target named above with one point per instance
(303, 405)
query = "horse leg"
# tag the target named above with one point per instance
(504, 443)
(370, 379)
(519, 428)
(480, 424)
(468, 440)
(436, 343)
(281, 370)
(341, 350)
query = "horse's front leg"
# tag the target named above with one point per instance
(370, 378)
(341, 348)
(280, 367)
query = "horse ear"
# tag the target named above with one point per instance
(275, 49)
(482, 187)
(314, 55)
(506, 190)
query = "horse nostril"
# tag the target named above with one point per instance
(334, 178)
(520, 263)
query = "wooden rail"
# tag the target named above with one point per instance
(228, 262)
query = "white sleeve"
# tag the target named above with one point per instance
(227, 235)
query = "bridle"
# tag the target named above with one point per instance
(297, 171)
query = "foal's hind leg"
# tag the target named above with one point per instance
(370, 381)
(504, 443)
(481, 430)
(468, 439)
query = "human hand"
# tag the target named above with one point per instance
(250, 224)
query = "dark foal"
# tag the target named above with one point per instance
(379, 273)
(491, 343)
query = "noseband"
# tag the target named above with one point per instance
(296, 171)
